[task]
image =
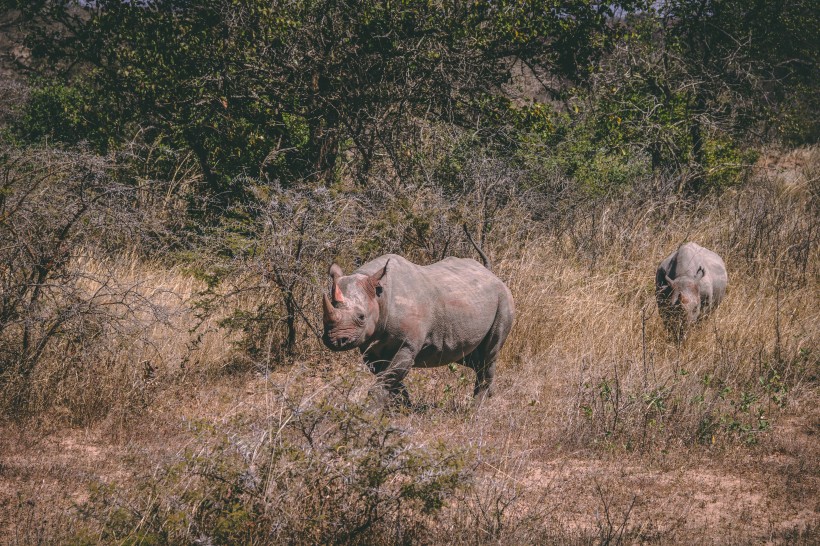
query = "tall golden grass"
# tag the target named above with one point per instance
(600, 429)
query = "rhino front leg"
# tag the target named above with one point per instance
(389, 385)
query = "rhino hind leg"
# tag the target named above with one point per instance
(484, 374)
(482, 360)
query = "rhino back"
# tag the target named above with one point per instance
(444, 309)
(686, 261)
(470, 299)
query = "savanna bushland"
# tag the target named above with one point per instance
(176, 177)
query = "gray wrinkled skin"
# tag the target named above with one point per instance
(689, 283)
(401, 315)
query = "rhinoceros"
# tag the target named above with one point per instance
(402, 315)
(689, 284)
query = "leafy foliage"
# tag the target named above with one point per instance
(284, 89)
(331, 472)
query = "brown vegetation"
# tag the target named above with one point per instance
(181, 421)
(175, 181)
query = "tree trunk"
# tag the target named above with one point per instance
(324, 130)
(697, 183)
(290, 323)
(216, 194)
(325, 147)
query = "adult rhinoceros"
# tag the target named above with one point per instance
(402, 315)
(689, 283)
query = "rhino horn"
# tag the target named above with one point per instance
(336, 272)
(337, 293)
(328, 312)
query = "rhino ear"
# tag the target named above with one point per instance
(375, 278)
(335, 271)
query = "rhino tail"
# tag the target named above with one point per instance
(484, 259)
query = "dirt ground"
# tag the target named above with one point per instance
(763, 494)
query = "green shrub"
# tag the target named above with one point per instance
(330, 473)
(56, 112)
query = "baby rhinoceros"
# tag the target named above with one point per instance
(401, 315)
(689, 283)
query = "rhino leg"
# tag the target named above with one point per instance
(484, 374)
(482, 359)
(376, 366)
(389, 377)
(400, 396)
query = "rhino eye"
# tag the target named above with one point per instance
(361, 317)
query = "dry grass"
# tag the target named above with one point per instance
(141, 316)
(601, 430)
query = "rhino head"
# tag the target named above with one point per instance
(684, 302)
(351, 312)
